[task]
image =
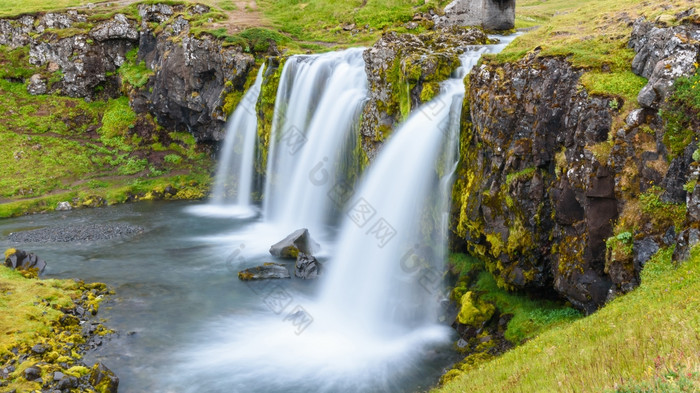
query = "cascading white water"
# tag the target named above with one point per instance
(319, 101)
(374, 320)
(235, 172)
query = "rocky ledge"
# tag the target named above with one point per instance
(405, 71)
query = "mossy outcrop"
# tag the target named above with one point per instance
(404, 71)
(155, 56)
(554, 194)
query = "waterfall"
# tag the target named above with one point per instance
(387, 273)
(374, 319)
(231, 194)
(386, 276)
(317, 110)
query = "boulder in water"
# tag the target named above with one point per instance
(299, 241)
(265, 272)
(22, 260)
(307, 266)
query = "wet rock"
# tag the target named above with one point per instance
(307, 266)
(32, 373)
(297, 242)
(37, 85)
(265, 272)
(63, 206)
(103, 379)
(67, 382)
(23, 260)
(424, 60)
(538, 204)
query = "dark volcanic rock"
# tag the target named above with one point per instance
(265, 272)
(32, 373)
(539, 204)
(307, 266)
(104, 379)
(192, 75)
(420, 62)
(297, 242)
(74, 233)
(22, 260)
(663, 54)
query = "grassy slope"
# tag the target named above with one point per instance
(631, 339)
(322, 20)
(57, 148)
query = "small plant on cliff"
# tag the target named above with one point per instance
(620, 245)
(134, 72)
(682, 114)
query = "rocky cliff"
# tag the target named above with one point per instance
(404, 71)
(187, 81)
(552, 195)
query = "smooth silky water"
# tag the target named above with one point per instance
(178, 302)
(186, 323)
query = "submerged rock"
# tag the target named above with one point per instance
(265, 272)
(307, 266)
(290, 247)
(23, 260)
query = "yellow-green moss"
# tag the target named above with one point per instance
(473, 311)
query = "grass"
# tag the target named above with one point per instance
(626, 344)
(52, 153)
(681, 114)
(23, 305)
(591, 34)
(319, 20)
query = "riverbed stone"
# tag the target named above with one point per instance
(266, 271)
(23, 260)
(299, 241)
(307, 266)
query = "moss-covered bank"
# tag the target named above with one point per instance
(47, 326)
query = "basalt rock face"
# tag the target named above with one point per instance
(86, 61)
(190, 79)
(404, 71)
(663, 55)
(534, 201)
(553, 198)
(192, 76)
